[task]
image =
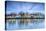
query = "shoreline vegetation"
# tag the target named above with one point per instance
(23, 17)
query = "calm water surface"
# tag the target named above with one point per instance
(34, 24)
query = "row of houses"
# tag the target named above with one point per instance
(25, 15)
(12, 17)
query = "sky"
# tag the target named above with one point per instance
(30, 7)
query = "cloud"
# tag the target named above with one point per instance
(25, 7)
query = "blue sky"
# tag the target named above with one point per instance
(30, 7)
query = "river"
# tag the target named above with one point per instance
(35, 24)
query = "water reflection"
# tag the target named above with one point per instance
(25, 24)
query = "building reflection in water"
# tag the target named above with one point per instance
(23, 19)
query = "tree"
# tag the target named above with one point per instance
(21, 13)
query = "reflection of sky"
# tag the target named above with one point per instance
(25, 7)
